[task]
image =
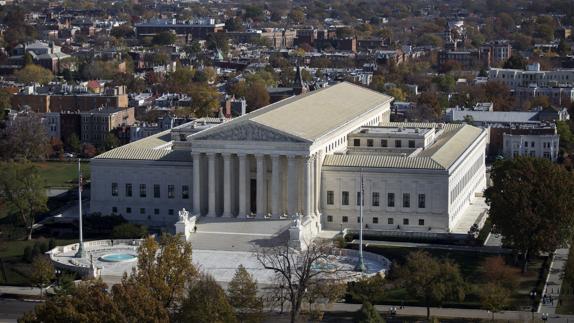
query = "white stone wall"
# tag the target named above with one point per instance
(105, 172)
(541, 146)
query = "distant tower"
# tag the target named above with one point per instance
(299, 87)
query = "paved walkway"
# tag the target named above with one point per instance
(554, 282)
(486, 249)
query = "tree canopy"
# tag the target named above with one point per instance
(34, 74)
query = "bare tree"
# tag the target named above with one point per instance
(299, 271)
(24, 138)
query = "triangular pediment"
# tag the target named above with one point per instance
(248, 131)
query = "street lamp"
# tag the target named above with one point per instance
(533, 298)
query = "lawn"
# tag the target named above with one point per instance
(470, 265)
(62, 174)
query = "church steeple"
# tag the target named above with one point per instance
(299, 87)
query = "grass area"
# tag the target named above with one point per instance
(62, 174)
(566, 299)
(470, 265)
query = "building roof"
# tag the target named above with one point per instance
(494, 116)
(454, 140)
(314, 114)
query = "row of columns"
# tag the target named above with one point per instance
(234, 189)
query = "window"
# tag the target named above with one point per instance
(345, 198)
(329, 218)
(356, 142)
(156, 211)
(156, 191)
(128, 210)
(375, 201)
(375, 220)
(358, 219)
(411, 144)
(384, 143)
(422, 201)
(114, 189)
(114, 209)
(184, 192)
(345, 219)
(170, 191)
(398, 144)
(142, 190)
(142, 210)
(421, 222)
(546, 155)
(406, 200)
(358, 198)
(369, 142)
(391, 199)
(391, 221)
(405, 221)
(330, 197)
(129, 190)
(170, 211)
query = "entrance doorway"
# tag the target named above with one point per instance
(253, 195)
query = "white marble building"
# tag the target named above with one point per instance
(295, 157)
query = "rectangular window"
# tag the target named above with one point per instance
(391, 200)
(156, 191)
(329, 218)
(170, 212)
(345, 198)
(356, 142)
(375, 197)
(170, 191)
(422, 201)
(421, 222)
(128, 210)
(330, 197)
(358, 219)
(156, 211)
(411, 144)
(369, 142)
(184, 192)
(143, 191)
(384, 143)
(375, 220)
(345, 219)
(391, 221)
(114, 189)
(406, 200)
(128, 190)
(406, 221)
(114, 209)
(398, 144)
(358, 198)
(142, 210)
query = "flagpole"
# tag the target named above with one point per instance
(361, 265)
(81, 252)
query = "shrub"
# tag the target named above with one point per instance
(51, 244)
(43, 246)
(27, 257)
(129, 231)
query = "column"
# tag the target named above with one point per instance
(243, 186)
(261, 187)
(276, 186)
(227, 185)
(308, 188)
(292, 191)
(318, 182)
(196, 184)
(212, 190)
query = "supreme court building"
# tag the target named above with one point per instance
(301, 157)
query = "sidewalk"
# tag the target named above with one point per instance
(554, 282)
(486, 249)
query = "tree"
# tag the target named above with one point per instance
(88, 150)
(24, 138)
(129, 231)
(297, 270)
(531, 205)
(206, 303)
(369, 289)
(563, 48)
(368, 314)
(499, 94)
(42, 272)
(22, 188)
(297, 16)
(34, 74)
(111, 141)
(137, 302)
(257, 95)
(515, 62)
(205, 99)
(430, 280)
(495, 270)
(397, 93)
(494, 297)
(164, 38)
(242, 294)
(428, 106)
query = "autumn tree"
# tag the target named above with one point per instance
(22, 189)
(368, 314)
(494, 297)
(137, 302)
(24, 138)
(206, 302)
(242, 294)
(34, 74)
(499, 94)
(428, 107)
(431, 281)
(205, 100)
(42, 272)
(495, 270)
(531, 205)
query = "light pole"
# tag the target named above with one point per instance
(361, 264)
(533, 298)
(81, 252)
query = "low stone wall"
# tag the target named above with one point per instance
(366, 255)
(422, 235)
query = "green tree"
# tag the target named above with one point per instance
(397, 93)
(516, 62)
(42, 272)
(431, 281)
(242, 295)
(22, 188)
(34, 74)
(73, 143)
(494, 297)
(257, 95)
(206, 302)
(297, 16)
(369, 289)
(164, 38)
(368, 314)
(205, 99)
(111, 141)
(531, 205)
